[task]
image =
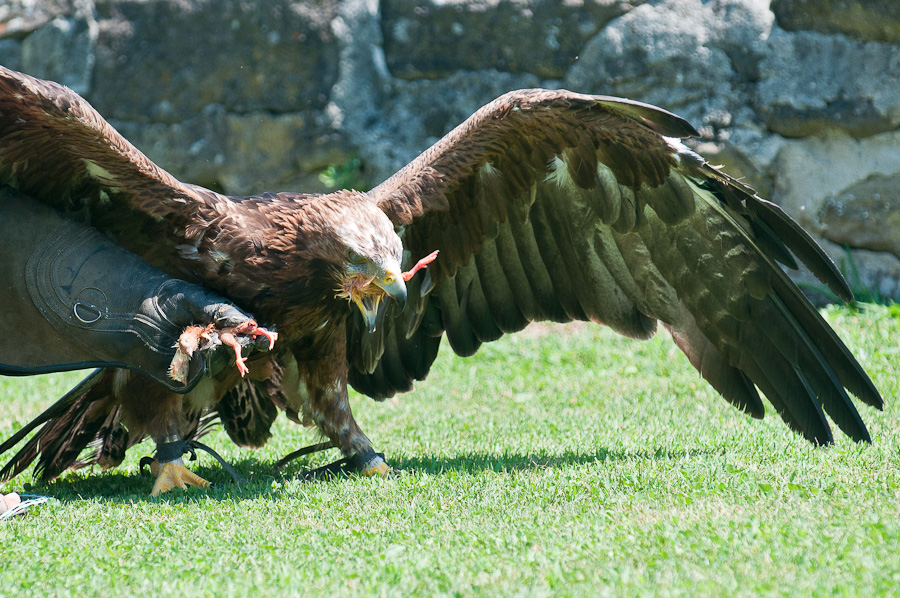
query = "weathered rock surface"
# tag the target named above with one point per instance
(22, 17)
(812, 82)
(62, 48)
(874, 20)
(427, 40)
(801, 98)
(164, 60)
(847, 218)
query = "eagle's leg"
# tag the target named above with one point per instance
(155, 411)
(169, 469)
(332, 414)
(359, 456)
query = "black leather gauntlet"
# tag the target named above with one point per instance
(70, 298)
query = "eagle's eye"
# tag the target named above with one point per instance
(354, 257)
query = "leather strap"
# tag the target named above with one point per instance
(171, 451)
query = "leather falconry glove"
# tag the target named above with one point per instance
(70, 298)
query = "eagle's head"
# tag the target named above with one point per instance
(370, 274)
(339, 247)
(364, 252)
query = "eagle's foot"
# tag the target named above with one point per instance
(376, 467)
(368, 464)
(169, 468)
(173, 474)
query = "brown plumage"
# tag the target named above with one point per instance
(544, 205)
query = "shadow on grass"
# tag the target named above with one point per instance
(500, 462)
(475, 462)
(121, 487)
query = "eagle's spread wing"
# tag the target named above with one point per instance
(56, 148)
(550, 205)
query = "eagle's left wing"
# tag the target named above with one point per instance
(550, 205)
(57, 149)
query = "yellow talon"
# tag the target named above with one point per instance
(380, 469)
(173, 474)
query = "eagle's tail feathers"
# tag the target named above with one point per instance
(67, 427)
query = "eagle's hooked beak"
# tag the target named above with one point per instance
(391, 284)
(394, 286)
(368, 307)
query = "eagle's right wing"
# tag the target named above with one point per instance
(551, 205)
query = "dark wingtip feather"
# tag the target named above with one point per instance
(803, 246)
(55, 410)
(661, 121)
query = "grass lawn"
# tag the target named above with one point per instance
(564, 463)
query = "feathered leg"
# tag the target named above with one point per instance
(335, 420)
(93, 414)
(327, 405)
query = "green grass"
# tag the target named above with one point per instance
(574, 463)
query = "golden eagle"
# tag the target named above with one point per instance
(544, 206)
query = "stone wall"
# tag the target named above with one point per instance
(799, 97)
